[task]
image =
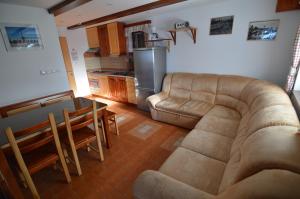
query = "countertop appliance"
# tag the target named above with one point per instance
(92, 52)
(150, 69)
(138, 39)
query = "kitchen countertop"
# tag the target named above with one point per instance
(112, 73)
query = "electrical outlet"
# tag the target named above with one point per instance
(49, 71)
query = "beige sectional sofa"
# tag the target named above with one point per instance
(243, 143)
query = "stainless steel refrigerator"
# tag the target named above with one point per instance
(150, 68)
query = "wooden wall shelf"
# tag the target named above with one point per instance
(193, 31)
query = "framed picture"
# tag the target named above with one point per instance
(21, 37)
(221, 25)
(263, 30)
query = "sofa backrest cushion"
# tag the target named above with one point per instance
(181, 85)
(204, 88)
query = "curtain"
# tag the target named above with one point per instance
(129, 30)
(295, 64)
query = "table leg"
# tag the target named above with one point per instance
(106, 129)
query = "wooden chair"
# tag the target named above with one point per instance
(79, 134)
(41, 149)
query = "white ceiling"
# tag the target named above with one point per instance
(34, 3)
(100, 8)
(95, 9)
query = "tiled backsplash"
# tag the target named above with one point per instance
(92, 63)
(114, 63)
(120, 63)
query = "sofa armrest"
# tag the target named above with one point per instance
(156, 185)
(154, 99)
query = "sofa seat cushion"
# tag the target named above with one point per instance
(195, 108)
(224, 112)
(219, 125)
(172, 104)
(194, 169)
(209, 144)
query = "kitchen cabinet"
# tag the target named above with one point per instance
(130, 85)
(118, 89)
(92, 37)
(110, 38)
(104, 86)
(94, 85)
(287, 5)
(103, 41)
(116, 38)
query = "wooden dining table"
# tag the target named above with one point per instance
(30, 118)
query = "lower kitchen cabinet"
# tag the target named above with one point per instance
(118, 88)
(131, 90)
(104, 87)
(94, 85)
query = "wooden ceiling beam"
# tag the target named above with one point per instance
(131, 11)
(66, 6)
(138, 23)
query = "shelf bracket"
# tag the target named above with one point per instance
(191, 29)
(173, 34)
(194, 34)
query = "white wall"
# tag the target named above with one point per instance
(232, 54)
(20, 77)
(222, 54)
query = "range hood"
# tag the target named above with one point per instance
(92, 52)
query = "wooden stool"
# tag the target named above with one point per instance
(113, 119)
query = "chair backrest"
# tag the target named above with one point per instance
(33, 137)
(39, 135)
(81, 118)
(24, 106)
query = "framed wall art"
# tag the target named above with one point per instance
(21, 37)
(263, 30)
(221, 25)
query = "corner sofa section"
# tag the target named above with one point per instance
(243, 143)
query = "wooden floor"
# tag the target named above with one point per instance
(143, 144)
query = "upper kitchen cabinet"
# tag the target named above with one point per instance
(116, 38)
(287, 5)
(92, 37)
(103, 41)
